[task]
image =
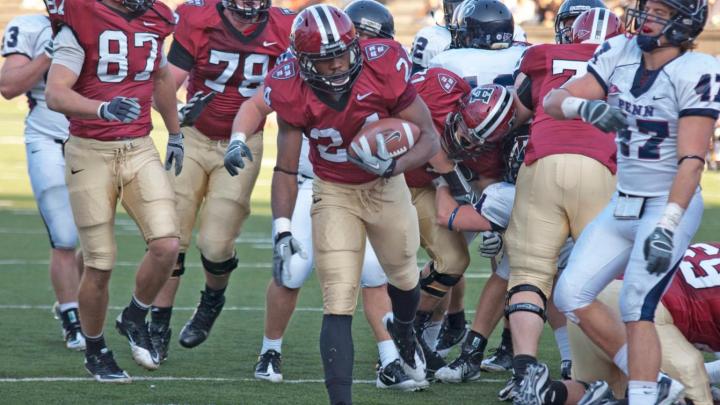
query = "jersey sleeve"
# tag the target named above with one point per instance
(20, 37)
(698, 93)
(185, 41)
(395, 66)
(67, 51)
(279, 88)
(531, 61)
(495, 204)
(606, 56)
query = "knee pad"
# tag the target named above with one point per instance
(181, 266)
(526, 306)
(219, 268)
(438, 284)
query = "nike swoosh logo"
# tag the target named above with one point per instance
(265, 43)
(658, 98)
(375, 166)
(34, 151)
(361, 97)
(73, 171)
(148, 24)
(390, 378)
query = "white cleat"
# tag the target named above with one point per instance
(267, 367)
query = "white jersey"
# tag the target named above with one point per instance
(27, 35)
(305, 168)
(428, 43)
(496, 203)
(480, 66)
(647, 149)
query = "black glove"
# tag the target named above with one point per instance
(189, 113)
(236, 151)
(121, 109)
(601, 115)
(658, 250)
(285, 246)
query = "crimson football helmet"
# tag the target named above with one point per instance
(483, 119)
(571, 9)
(596, 25)
(320, 33)
(252, 10)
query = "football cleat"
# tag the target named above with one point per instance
(141, 346)
(464, 368)
(533, 386)
(267, 367)
(394, 377)
(449, 337)
(598, 393)
(104, 368)
(670, 391)
(74, 339)
(411, 354)
(197, 329)
(566, 369)
(160, 339)
(70, 327)
(500, 360)
(508, 392)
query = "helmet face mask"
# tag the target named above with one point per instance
(514, 152)
(371, 19)
(685, 23)
(483, 24)
(456, 140)
(253, 11)
(138, 6)
(449, 8)
(568, 11)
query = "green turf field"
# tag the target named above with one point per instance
(36, 368)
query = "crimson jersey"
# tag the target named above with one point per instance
(222, 59)
(693, 297)
(381, 90)
(441, 90)
(490, 164)
(121, 55)
(549, 66)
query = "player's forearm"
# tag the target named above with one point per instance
(552, 103)
(164, 100)
(427, 146)
(69, 102)
(283, 194)
(441, 163)
(686, 182)
(17, 80)
(250, 115)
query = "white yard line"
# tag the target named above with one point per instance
(200, 379)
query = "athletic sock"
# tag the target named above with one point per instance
(456, 320)
(431, 332)
(563, 343)
(621, 359)
(404, 303)
(271, 344)
(136, 311)
(642, 392)
(160, 315)
(474, 342)
(388, 352)
(520, 364)
(336, 350)
(94, 344)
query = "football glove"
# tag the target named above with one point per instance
(491, 244)
(175, 152)
(459, 187)
(603, 116)
(189, 113)
(123, 109)
(285, 246)
(381, 164)
(658, 250)
(236, 151)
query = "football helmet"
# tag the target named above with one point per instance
(483, 119)
(138, 6)
(320, 33)
(680, 29)
(595, 25)
(371, 18)
(514, 152)
(449, 7)
(252, 10)
(571, 9)
(485, 24)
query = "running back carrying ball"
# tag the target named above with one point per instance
(399, 136)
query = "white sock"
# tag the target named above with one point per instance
(563, 343)
(621, 359)
(388, 352)
(271, 344)
(642, 392)
(713, 370)
(431, 333)
(68, 305)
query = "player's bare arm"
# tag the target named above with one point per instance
(20, 73)
(247, 119)
(428, 143)
(164, 97)
(62, 98)
(284, 180)
(460, 218)
(694, 134)
(179, 75)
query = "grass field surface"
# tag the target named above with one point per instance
(36, 368)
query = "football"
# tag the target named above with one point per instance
(400, 136)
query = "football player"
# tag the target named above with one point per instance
(661, 101)
(433, 39)
(225, 48)
(335, 86)
(27, 48)
(371, 20)
(104, 76)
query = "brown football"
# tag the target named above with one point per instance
(400, 136)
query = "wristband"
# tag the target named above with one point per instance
(281, 225)
(452, 217)
(570, 107)
(671, 217)
(238, 136)
(99, 110)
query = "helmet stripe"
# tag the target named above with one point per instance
(600, 22)
(322, 25)
(331, 23)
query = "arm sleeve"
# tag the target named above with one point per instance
(68, 51)
(697, 90)
(18, 39)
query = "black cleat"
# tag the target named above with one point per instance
(141, 346)
(197, 329)
(508, 392)
(499, 360)
(70, 324)
(268, 367)
(566, 369)
(534, 386)
(393, 377)
(598, 393)
(411, 354)
(465, 368)
(104, 368)
(160, 339)
(449, 337)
